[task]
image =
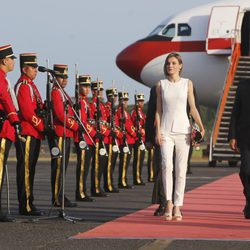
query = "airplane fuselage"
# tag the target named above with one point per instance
(204, 36)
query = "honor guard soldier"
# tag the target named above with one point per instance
(113, 147)
(127, 141)
(65, 125)
(9, 120)
(100, 157)
(30, 113)
(138, 118)
(84, 154)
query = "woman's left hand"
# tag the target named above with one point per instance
(203, 132)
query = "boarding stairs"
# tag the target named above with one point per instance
(219, 146)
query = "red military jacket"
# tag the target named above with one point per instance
(7, 109)
(142, 121)
(58, 99)
(116, 122)
(85, 116)
(29, 100)
(129, 126)
(105, 130)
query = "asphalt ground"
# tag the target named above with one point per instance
(53, 232)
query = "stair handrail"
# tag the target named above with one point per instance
(234, 59)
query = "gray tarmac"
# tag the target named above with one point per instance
(54, 232)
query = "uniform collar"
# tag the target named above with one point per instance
(24, 77)
(2, 73)
(84, 97)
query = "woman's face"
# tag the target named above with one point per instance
(173, 66)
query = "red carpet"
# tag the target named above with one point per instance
(212, 211)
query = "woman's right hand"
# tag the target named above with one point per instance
(158, 138)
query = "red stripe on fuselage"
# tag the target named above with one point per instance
(219, 43)
(132, 59)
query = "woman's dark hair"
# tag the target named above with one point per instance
(177, 56)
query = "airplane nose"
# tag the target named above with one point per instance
(129, 61)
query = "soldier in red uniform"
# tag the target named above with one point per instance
(65, 125)
(113, 146)
(138, 118)
(30, 113)
(8, 116)
(100, 157)
(128, 140)
(84, 155)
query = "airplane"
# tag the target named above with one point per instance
(204, 36)
(214, 42)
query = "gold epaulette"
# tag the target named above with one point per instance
(24, 81)
(11, 113)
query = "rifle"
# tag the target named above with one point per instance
(115, 146)
(138, 126)
(125, 148)
(82, 143)
(49, 121)
(98, 115)
(69, 101)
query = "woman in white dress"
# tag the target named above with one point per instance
(173, 131)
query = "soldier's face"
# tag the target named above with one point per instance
(30, 71)
(62, 81)
(85, 90)
(141, 104)
(125, 104)
(10, 64)
(94, 93)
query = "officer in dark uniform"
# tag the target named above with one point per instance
(158, 196)
(139, 119)
(9, 120)
(84, 155)
(30, 113)
(127, 142)
(239, 137)
(113, 147)
(65, 125)
(100, 157)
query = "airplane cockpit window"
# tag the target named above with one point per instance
(156, 30)
(169, 31)
(184, 29)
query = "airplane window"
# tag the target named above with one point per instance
(184, 29)
(156, 30)
(169, 31)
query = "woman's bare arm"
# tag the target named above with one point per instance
(193, 110)
(158, 113)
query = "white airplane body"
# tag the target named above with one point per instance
(204, 36)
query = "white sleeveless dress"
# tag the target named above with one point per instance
(174, 105)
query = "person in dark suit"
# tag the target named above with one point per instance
(158, 196)
(239, 137)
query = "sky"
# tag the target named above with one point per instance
(87, 33)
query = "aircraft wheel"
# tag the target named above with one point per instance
(232, 163)
(212, 163)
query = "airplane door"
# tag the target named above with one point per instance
(245, 35)
(221, 29)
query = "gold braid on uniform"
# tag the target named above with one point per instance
(82, 195)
